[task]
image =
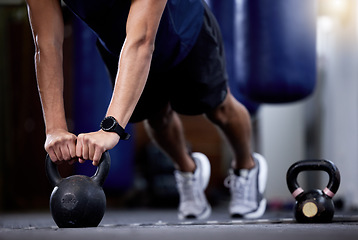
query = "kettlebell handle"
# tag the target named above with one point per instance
(98, 177)
(313, 165)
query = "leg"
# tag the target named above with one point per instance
(167, 131)
(247, 179)
(193, 172)
(234, 120)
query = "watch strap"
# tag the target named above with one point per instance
(115, 127)
(120, 131)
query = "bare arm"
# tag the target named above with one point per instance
(136, 56)
(134, 65)
(47, 28)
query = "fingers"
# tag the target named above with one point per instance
(97, 157)
(52, 155)
(61, 145)
(89, 147)
(72, 149)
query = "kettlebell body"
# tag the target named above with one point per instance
(313, 206)
(78, 201)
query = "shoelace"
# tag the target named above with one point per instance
(187, 188)
(237, 186)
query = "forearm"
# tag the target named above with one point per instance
(46, 22)
(48, 62)
(132, 75)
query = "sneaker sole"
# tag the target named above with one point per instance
(259, 212)
(201, 216)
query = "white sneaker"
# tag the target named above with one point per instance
(247, 200)
(191, 187)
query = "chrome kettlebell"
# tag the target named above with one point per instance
(78, 200)
(313, 205)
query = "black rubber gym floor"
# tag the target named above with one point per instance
(163, 224)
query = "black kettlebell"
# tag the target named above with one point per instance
(78, 200)
(313, 206)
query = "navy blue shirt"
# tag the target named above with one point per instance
(178, 29)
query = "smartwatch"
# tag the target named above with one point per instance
(110, 124)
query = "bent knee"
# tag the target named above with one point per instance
(225, 111)
(162, 119)
(218, 115)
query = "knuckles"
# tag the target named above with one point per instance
(92, 143)
(58, 141)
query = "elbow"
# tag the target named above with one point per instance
(144, 43)
(43, 45)
(149, 43)
(150, 46)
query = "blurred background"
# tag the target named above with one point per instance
(293, 63)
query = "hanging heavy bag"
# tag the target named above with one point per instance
(275, 54)
(224, 12)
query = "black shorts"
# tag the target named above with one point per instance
(195, 86)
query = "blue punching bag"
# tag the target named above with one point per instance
(275, 49)
(224, 12)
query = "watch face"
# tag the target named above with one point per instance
(108, 123)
